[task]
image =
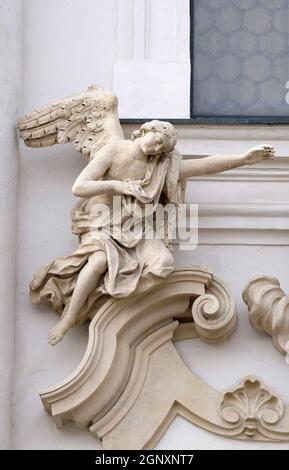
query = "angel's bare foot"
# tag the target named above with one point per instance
(57, 333)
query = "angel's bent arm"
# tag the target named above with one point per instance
(88, 183)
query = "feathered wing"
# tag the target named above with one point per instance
(89, 119)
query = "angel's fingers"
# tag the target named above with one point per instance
(129, 192)
(270, 155)
(133, 182)
(269, 147)
(138, 182)
(139, 189)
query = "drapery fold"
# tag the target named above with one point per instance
(134, 263)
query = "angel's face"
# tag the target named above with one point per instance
(152, 143)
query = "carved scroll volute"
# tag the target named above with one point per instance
(214, 313)
(252, 407)
(268, 309)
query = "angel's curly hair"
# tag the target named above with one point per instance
(165, 128)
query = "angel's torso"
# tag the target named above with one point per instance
(127, 164)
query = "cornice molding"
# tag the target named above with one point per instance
(261, 174)
(263, 223)
(226, 132)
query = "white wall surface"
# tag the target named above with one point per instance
(10, 63)
(152, 58)
(68, 44)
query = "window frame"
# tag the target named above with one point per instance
(206, 119)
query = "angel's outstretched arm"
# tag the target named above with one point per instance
(219, 163)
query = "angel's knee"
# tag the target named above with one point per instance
(98, 262)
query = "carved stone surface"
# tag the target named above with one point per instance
(132, 382)
(268, 309)
(144, 172)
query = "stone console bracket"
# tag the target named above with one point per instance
(132, 382)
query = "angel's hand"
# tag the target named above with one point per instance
(258, 154)
(127, 187)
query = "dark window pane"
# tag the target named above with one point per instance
(241, 57)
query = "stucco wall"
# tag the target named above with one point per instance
(68, 44)
(10, 81)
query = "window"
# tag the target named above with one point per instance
(239, 61)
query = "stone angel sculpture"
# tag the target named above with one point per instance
(144, 170)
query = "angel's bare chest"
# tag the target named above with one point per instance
(128, 167)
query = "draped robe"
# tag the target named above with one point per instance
(134, 263)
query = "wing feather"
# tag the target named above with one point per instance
(89, 119)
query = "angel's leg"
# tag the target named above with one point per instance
(87, 281)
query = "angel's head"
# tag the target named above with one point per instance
(156, 137)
